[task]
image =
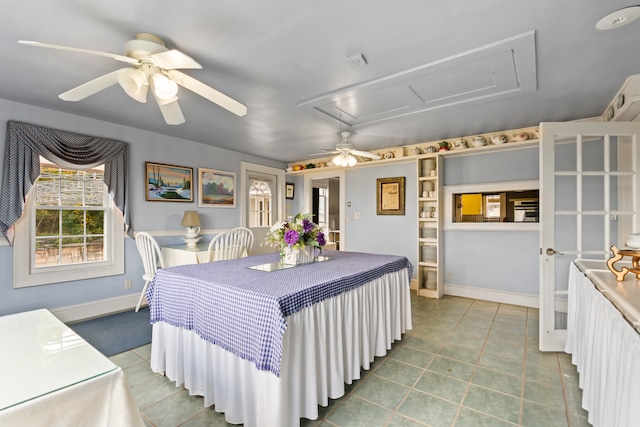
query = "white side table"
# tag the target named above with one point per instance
(180, 254)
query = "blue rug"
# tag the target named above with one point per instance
(116, 333)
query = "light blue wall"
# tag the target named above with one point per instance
(495, 260)
(385, 234)
(143, 146)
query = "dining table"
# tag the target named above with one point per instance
(267, 343)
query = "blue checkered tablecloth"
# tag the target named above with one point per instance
(243, 310)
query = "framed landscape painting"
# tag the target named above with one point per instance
(216, 189)
(168, 183)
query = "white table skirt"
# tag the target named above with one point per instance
(103, 401)
(606, 350)
(324, 347)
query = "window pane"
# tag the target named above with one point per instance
(94, 190)
(95, 248)
(47, 222)
(48, 188)
(73, 222)
(71, 190)
(47, 252)
(72, 250)
(95, 222)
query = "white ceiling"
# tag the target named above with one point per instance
(435, 69)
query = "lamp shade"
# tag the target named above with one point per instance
(163, 87)
(191, 219)
(134, 82)
(345, 159)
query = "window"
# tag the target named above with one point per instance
(69, 230)
(259, 203)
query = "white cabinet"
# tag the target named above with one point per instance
(430, 263)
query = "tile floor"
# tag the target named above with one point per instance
(465, 363)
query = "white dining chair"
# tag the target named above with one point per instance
(246, 239)
(151, 260)
(230, 245)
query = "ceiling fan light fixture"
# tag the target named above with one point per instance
(134, 82)
(344, 160)
(163, 87)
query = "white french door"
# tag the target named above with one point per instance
(588, 202)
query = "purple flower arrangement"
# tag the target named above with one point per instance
(296, 233)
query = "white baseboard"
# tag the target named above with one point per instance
(74, 313)
(504, 297)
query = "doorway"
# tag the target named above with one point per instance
(324, 199)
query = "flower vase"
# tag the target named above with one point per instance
(298, 256)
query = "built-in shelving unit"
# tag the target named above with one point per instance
(429, 271)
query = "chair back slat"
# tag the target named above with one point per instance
(233, 244)
(150, 254)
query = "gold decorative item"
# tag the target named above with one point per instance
(618, 254)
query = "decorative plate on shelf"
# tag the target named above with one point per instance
(388, 155)
(620, 102)
(610, 113)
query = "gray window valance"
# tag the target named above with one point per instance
(24, 145)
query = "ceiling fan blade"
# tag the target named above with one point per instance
(121, 58)
(94, 86)
(325, 153)
(172, 59)
(172, 113)
(208, 92)
(365, 154)
(170, 110)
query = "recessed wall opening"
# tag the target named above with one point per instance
(496, 206)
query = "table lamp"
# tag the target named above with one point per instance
(191, 220)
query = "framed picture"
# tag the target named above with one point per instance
(289, 190)
(390, 196)
(216, 189)
(168, 183)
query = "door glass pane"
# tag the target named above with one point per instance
(565, 236)
(565, 156)
(593, 153)
(593, 233)
(565, 193)
(593, 193)
(624, 159)
(562, 265)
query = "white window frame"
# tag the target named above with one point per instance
(24, 272)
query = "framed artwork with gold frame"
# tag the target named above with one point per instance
(390, 196)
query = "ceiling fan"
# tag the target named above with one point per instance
(346, 151)
(152, 66)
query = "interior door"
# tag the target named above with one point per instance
(588, 192)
